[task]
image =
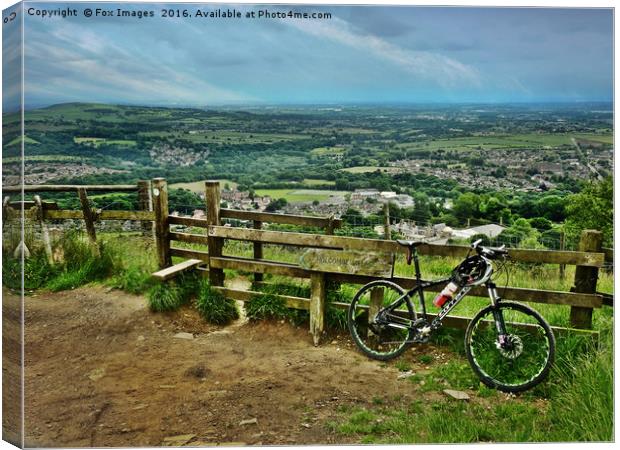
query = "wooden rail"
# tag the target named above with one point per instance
(290, 219)
(309, 221)
(581, 258)
(63, 214)
(69, 188)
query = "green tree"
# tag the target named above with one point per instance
(592, 209)
(466, 206)
(275, 205)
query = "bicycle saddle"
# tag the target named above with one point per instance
(409, 244)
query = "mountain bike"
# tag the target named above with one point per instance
(509, 345)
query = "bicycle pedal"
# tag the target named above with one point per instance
(420, 339)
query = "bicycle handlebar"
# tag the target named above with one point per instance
(489, 252)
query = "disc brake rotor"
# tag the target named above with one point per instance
(512, 348)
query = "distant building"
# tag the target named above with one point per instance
(388, 195)
(362, 194)
(491, 231)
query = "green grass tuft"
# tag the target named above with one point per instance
(134, 279)
(165, 297)
(214, 307)
(266, 306)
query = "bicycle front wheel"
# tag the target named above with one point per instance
(524, 357)
(379, 335)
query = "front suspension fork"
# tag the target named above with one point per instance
(498, 317)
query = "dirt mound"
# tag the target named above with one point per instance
(102, 370)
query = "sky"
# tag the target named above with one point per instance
(362, 54)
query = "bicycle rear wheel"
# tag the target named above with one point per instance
(377, 338)
(525, 357)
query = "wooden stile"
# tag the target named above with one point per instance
(160, 208)
(212, 198)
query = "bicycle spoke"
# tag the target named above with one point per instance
(521, 358)
(371, 324)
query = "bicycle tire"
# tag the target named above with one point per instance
(357, 319)
(532, 343)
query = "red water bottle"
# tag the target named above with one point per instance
(445, 295)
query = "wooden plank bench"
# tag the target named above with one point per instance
(172, 271)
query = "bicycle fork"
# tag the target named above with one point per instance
(500, 325)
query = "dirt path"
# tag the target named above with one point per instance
(102, 370)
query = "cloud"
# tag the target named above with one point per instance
(104, 68)
(446, 71)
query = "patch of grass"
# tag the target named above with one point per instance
(37, 271)
(457, 374)
(82, 263)
(378, 400)
(445, 421)
(213, 306)
(582, 407)
(266, 306)
(133, 279)
(300, 195)
(450, 337)
(190, 284)
(485, 392)
(165, 296)
(402, 365)
(425, 359)
(269, 306)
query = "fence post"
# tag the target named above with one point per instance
(258, 250)
(318, 293)
(562, 247)
(160, 208)
(44, 231)
(89, 219)
(386, 221)
(212, 198)
(329, 230)
(586, 278)
(145, 203)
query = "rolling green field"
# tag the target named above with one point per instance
(365, 169)
(300, 195)
(315, 182)
(96, 142)
(324, 151)
(43, 158)
(531, 140)
(27, 140)
(199, 186)
(227, 137)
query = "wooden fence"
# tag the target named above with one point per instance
(582, 298)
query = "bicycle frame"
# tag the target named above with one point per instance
(449, 306)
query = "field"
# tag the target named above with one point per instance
(96, 142)
(199, 186)
(366, 169)
(314, 182)
(42, 158)
(533, 141)
(302, 195)
(227, 137)
(27, 140)
(331, 151)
